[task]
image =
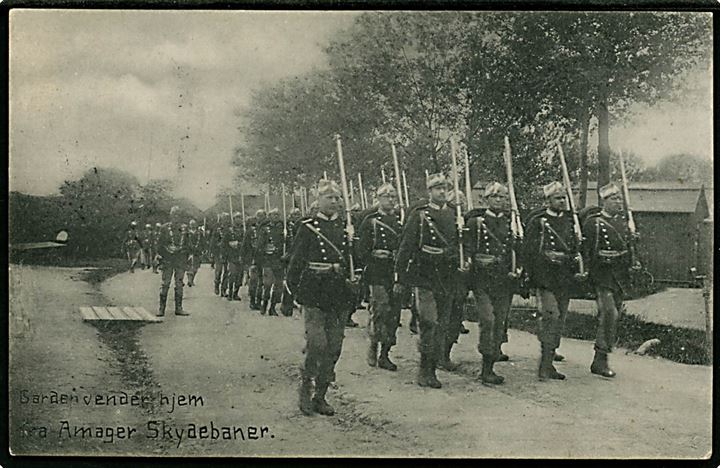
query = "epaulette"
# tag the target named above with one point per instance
(588, 212)
(475, 212)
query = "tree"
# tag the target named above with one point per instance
(682, 168)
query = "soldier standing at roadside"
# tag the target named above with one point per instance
(232, 248)
(269, 252)
(195, 248)
(132, 246)
(249, 253)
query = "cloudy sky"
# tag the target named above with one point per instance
(135, 89)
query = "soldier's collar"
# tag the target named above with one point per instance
(383, 212)
(608, 215)
(490, 212)
(553, 213)
(322, 215)
(435, 206)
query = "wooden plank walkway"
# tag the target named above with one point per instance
(114, 314)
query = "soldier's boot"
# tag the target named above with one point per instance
(178, 304)
(547, 370)
(384, 361)
(488, 375)
(263, 307)
(432, 365)
(319, 404)
(229, 296)
(217, 288)
(305, 391)
(272, 310)
(444, 362)
(422, 379)
(599, 365)
(235, 292)
(163, 303)
(372, 355)
(463, 329)
(557, 357)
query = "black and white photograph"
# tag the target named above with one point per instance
(328, 233)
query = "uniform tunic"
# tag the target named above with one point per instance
(607, 252)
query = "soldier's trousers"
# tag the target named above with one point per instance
(456, 315)
(384, 315)
(254, 283)
(287, 301)
(146, 257)
(609, 303)
(324, 334)
(235, 274)
(168, 271)
(433, 313)
(553, 310)
(272, 281)
(493, 308)
(221, 273)
(135, 257)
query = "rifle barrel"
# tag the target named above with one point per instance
(348, 215)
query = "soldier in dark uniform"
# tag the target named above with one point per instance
(233, 250)
(147, 241)
(551, 261)
(269, 251)
(378, 243)
(607, 251)
(459, 299)
(489, 242)
(195, 248)
(318, 276)
(132, 246)
(173, 251)
(249, 253)
(217, 251)
(426, 261)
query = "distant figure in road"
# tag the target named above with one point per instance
(250, 254)
(378, 244)
(427, 260)
(132, 246)
(195, 249)
(489, 242)
(217, 251)
(173, 251)
(550, 254)
(609, 262)
(319, 277)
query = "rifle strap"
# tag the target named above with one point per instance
(323, 237)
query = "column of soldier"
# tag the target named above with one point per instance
(429, 255)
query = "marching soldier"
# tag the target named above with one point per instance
(269, 252)
(426, 261)
(147, 246)
(607, 250)
(293, 224)
(378, 244)
(249, 253)
(489, 243)
(195, 248)
(550, 258)
(217, 249)
(132, 246)
(318, 276)
(173, 251)
(232, 254)
(457, 309)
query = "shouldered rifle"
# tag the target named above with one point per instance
(460, 221)
(628, 213)
(515, 222)
(348, 216)
(232, 219)
(407, 197)
(242, 209)
(285, 231)
(397, 183)
(468, 186)
(582, 274)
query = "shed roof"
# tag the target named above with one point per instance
(660, 197)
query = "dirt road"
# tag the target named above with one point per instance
(245, 375)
